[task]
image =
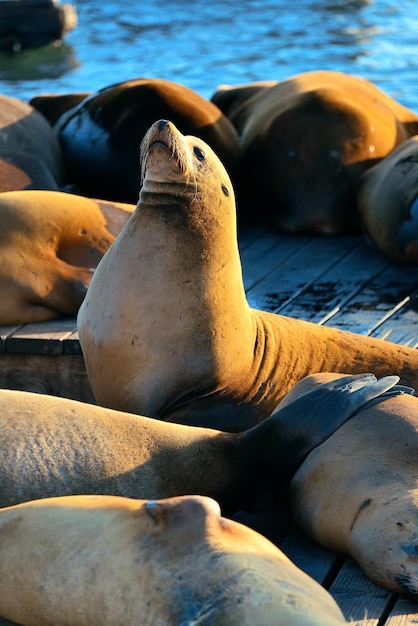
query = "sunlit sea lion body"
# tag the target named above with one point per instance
(165, 327)
(305, 142)
(30, 155)
(53, 446)
(100, 134)
(388, 203)
(113, 561)
(50, 243)
(357, 493)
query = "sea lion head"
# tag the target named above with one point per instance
(388, 203)
(172, 561)
(182, 171)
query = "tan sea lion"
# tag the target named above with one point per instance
(84, 560)
(305, 142)
(30, 155)
(50, 242)
(388, 205)
(53, 446)
(100, 134)
(165, 327)
(357, 493)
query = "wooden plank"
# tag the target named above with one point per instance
(290, 278)
(41, 337)
(318, 562)
(249, 235)
(326, 296)
(402, 327)
(361, 601)
(264, 255)
(404, 613)
(71, 344)
(5, 332)
(379, 300)
(57, 375)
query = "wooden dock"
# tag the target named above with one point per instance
(339, 282)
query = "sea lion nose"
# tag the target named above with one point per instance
(162, 124)
(183, 510)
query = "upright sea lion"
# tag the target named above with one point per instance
(305, 142)
(50, 242)
(53, 446)
(388, 203)
(107, 560)
(357, 493)
(165, 327)
(30, 155)
(100, 135)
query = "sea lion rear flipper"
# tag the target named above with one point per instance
(310, 419)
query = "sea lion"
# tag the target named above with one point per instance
(387, 199)
(357, 493)
(165, 327)
(50, 242)
(100, 135)
(107, 560)
(305, 141)
(30, 155)
(52, 446)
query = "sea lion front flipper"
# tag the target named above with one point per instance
(296, 428)
(397, 390)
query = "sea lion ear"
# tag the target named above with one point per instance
(310, 419)
(225, 189)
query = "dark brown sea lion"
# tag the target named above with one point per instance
(388, 203)
(85, 560)
(357, 493)
(100, 135)
(50, 243)
(165, 327)
(305, 142)
(30, 155)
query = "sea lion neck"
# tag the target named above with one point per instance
(178, 305)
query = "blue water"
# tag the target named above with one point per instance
(204, 43)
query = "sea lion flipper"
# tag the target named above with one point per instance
(397, 390)
(314, 416)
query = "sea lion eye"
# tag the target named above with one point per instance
(200, 155)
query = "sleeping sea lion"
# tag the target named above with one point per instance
(30, 155)
(357, 493)
(388, 203)
(84, 560)
(305, 142)
(53, 446)
(50, 243)
(100, 134)
(165, 327)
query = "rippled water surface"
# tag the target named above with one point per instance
(208, 42)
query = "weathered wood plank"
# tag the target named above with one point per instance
(5, 332)
(289, 279)
(264, 255)
(249, 235)
(41, 338)
(360, 600)
(329, 294)
(404, 613)
(380, 299)
(71, 344)
(321, 564)
(402, 327)
(58, 375)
